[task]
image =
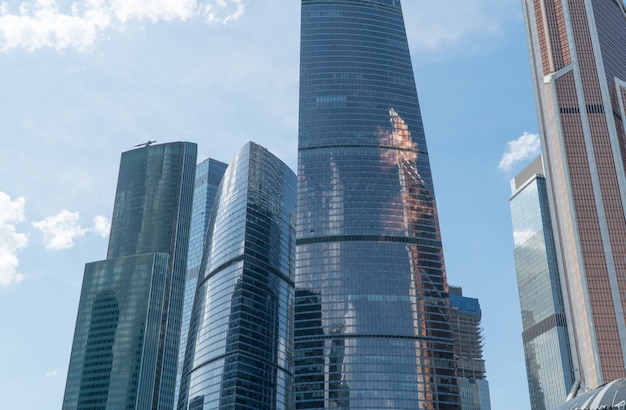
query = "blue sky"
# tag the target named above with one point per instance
(83, 80)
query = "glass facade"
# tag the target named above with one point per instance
(114, 354)
(468, 346)
(546, 345)
(239, 347)
(372, 327)
(611, 396)
(208, 176)
(151, 219)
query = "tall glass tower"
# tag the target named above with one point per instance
(578, 60)
(208, 177)
(546, 344)
(372, 317)
(128, 323)
(239, 347)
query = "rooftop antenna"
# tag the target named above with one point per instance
(145, 144)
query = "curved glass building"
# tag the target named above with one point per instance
(208, 177)
(372, 326)
(611, 396)
(240, 340)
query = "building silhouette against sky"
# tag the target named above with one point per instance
(208, 176)
(127, 329)
(239, 352)
(465, 315)
(546, 342)
(372, 324)
(578, 57)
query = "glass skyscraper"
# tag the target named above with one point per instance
(578, 59)
(465, 317)
(545, 337)
(127, 329)
(208, 176)
(372, 323)
(239, 348)
(128, 323)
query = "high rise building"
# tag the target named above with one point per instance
(465, 317)
(579, 67)
(239, 349)
(208, 176)
(372, 324)
(127, 328)
(545, 337)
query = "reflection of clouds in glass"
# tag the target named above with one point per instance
(11, 211)
(41, 23)
(519, 237)
(62, 229)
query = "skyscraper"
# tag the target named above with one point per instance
(465, 316)
(208, 176)
(579, 67)
(545, 337)
(372, 326)
(128, 323)
(239, 349)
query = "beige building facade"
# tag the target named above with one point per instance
(578, 58)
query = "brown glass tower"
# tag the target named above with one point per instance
(578, 56)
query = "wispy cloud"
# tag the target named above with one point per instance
(53, 373)
(450, 24)
(222, 11)
(526, 146)
(11, 211)
(62, 229)
(41, 23)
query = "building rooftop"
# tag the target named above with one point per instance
(607, 397)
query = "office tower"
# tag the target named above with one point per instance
(579, 67)
(372, 326)
(465, 315)
(208, 176)
(239, 348)
(545, 337)
(127, 328)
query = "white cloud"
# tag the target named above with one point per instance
(526, 146)
(60, 230)
(41, 23)
(222, 11)
(53, 373)
(437, 25)
(101, 226)
(154, 10)
(11, 211)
